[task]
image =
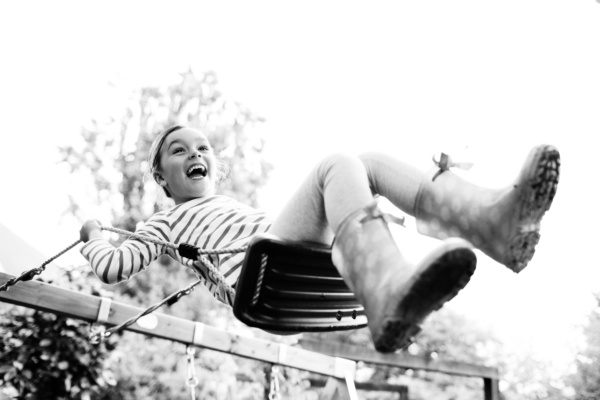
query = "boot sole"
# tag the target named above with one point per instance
(437, 280)
(541, 181)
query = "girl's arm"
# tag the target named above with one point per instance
(113, 265)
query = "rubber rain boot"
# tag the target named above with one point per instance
(503, 223)
(396, 295)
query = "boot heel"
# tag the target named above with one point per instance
(502, 223)
(437, 279)
(522, 249)
(541, 180)
(396, 335)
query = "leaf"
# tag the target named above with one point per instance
(67, 333)
(109, 378)
(25, 332)
(72, 322)
(45, 342)
(10, 374)
(62, 365)
(84, 359)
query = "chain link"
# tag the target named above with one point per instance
(30, 274)
(274, 392)
(192, 380)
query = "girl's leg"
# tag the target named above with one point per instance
(397, 296)
(394, 179)
(337, 187)
(503, 223)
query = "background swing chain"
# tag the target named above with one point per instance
(192, 380)
(29, 274)
(274, 392)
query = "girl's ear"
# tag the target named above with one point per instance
(159, 179)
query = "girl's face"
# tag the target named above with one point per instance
(188, 167)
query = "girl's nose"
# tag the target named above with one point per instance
(195, 153)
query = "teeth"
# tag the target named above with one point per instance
(200, 168)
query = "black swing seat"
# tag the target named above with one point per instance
(289, 286)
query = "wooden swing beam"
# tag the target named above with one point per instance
(44, 297)
(339, 364)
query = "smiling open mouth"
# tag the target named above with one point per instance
(197, 171)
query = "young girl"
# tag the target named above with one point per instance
(335, 205)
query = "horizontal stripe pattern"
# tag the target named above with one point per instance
(217, 222)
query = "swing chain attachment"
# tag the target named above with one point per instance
(192, 379)
(274, 392)
(30, 274)
(97, 333)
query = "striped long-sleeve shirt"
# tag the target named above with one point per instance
(216, 222)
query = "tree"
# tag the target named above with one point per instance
(112, 154)
(44, 356)
(586, 381)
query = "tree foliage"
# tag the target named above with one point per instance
(45, 356)
(586, 382)
(114, 148)
(113, 155)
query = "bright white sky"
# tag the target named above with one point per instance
(411, 78)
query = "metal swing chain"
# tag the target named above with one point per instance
(274, 392)
(29, 274)
(192, 380)
(97, 334)
(101, 334)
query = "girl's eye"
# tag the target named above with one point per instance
(204, 148)
(177, 150)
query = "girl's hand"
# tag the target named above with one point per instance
(90, 230)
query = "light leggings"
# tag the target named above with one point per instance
(340, 185)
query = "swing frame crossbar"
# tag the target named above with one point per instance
(41, 296)
(336, 361)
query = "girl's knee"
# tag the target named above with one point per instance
(340, 167)
(343, 160)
